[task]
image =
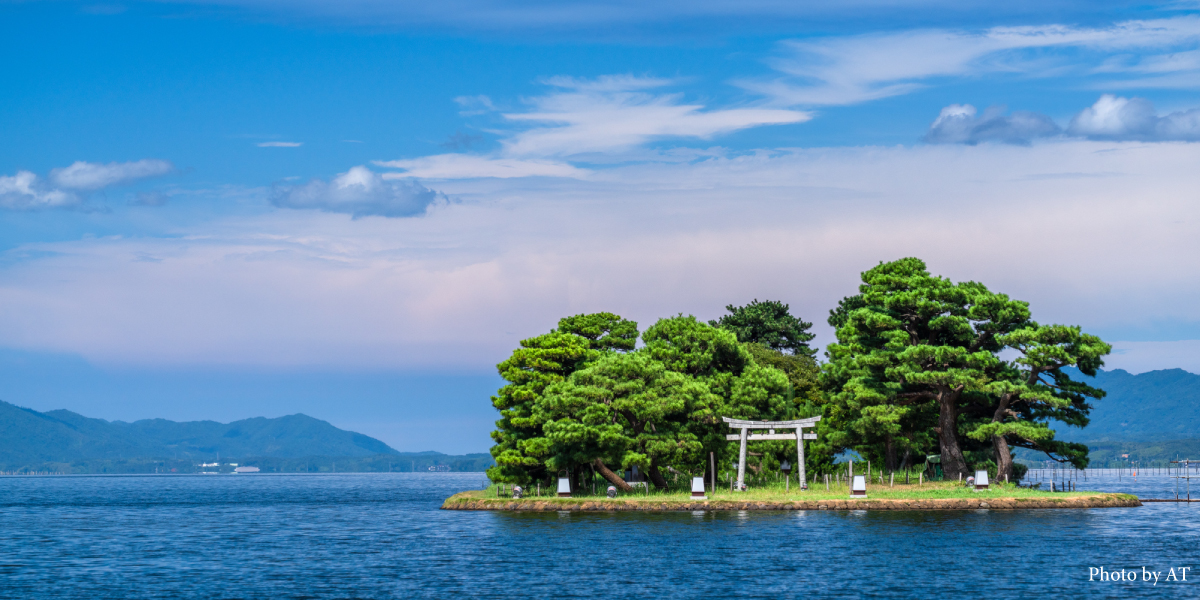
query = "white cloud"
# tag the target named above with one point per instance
(25, 191)
(465, 166)
(68, 187)
(1117, 118)
(1089, 232)
(615, 114)
(93, 176)
(959, 124)
(607, 119)
(1110, 118)
(359, 192)
(280, 144)
(848, 70)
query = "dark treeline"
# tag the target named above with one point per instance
(1111, 455)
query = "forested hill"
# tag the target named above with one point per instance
(1153, 406)
(28, 436)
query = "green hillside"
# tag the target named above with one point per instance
(1148, 407)
(60, 436)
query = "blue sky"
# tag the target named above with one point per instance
(355, 209)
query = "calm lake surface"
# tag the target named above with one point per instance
(382, 536)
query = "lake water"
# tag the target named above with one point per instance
(382, 536)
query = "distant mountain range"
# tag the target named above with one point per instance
(1148, 407)
(28, 436)
(63, 441)
(1150, 414)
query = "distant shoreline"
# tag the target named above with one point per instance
(419, 462)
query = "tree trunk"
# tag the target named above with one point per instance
(1003, 458)
(889, 459)
(953, 463)
(999, 444)
(612, 478)
(656, 477)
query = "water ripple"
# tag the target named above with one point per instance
(382, 536)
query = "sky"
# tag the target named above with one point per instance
(235, 208)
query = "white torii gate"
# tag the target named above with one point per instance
(771, 426)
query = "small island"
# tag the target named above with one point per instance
(930, 496)
(934, 383)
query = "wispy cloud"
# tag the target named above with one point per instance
(615, 114)
(68, 187)
(93, 176)
(853, 69)
(465, 166)
(280, 144)
(359, 192)
(589, 120)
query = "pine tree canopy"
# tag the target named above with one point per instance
(768, 323)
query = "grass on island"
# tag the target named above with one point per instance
(777, 493)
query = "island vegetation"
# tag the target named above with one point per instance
(922, 366)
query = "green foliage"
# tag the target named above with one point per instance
(918, 355)
(604, 331)
(839, 315)
(626, 410)
(917, 367)
(808, 400)
(540, 362)
(685, 345)
(1033, 389)
(572, 400)
(904, 356)
(769, 324)
(744, 389)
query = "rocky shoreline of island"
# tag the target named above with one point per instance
(464, 501)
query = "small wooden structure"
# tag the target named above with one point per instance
(564, 487)
(744, 436)
(698, 489)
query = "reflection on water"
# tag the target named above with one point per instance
(382, 536)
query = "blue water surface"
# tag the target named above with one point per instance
(383, 536)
